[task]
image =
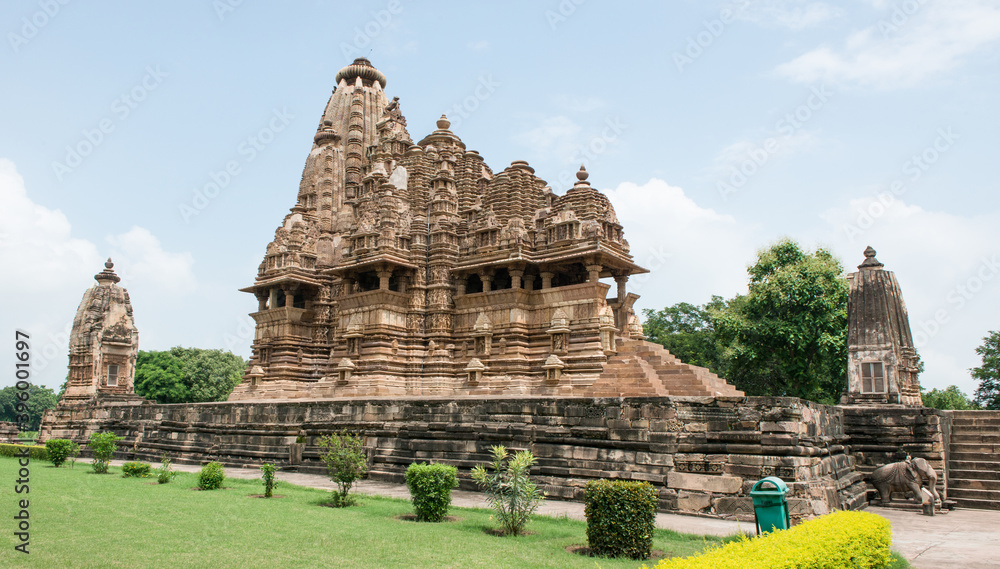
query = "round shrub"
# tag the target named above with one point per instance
(58, 450)
(135, 470)
(430, 489)
(211, 476)
(621, 517)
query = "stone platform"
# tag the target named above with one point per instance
(702, 453)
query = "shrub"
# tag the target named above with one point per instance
(135, 470)
(58, 450)
(511, 494)
(103, 447)
(34, 451)
(270, 482)
(841, 540)
(430, 488)
(211, 476)
(165, 472)
(346, 462)
(621, 518)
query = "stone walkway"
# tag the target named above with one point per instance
(961, 539)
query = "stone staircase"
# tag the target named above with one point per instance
(645, 369)
(974, 461)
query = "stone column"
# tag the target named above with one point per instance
(273, 298)
(515, 278)
(620, 280)
(383, 278)
(594, 273)
(289, 297)
(529, 282)
(487, 281)
(547, 280)
(261, 301)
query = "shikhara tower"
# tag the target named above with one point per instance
(413, 269)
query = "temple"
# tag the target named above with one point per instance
(413, 269)
(103, 344)
(882, 363)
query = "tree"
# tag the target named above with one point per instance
(688, 332)
(988, 374)
(948, 398)
(346, 462)
(788, 335)
(39, 399)
(187, 375)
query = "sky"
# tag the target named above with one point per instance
(171, 137)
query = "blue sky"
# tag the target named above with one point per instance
(715, 129)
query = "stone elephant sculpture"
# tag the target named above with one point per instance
(907, 475)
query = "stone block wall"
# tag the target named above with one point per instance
(702, 453)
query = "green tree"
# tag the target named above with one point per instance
(788, 335)
(948, 398)
(39, 399)
(187, 375)
(988, 374)
(688, 332)
(346, 462)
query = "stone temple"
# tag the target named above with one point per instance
(413, 269)
(435, 308)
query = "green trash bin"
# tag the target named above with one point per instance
(770, 507)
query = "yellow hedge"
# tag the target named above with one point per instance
(848, 540)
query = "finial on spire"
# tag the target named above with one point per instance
(443, 123)
(108, 274)
(582, 174)
(870, 261)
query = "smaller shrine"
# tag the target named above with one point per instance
(882, 363)
(103, 344)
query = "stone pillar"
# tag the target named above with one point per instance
(348, 285)
(594, 273)
(547, 280)
(289, 297)
(529, 282)
(487, 281)
(273, 299)
(459, 287)
(403, 283)
(383, 278)
(515, 278)
(261, 301)
(620, 280)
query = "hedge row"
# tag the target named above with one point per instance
(841, 540)
(37, 451)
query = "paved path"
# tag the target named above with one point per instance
(961, 539)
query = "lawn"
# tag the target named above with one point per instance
(81, 519)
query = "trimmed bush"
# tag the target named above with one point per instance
(211, 476)
(621, 518)
(103, 447)
(34, 451)
(841, 540)
(135, 470)
(58, 450)
(430, 488)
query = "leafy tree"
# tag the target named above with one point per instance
(687, 331)
(346, 463)
(948, 398)
(187, 375)
(788, 335)
(988, 374)
(39, 399)
(103, 446)
(511, 493)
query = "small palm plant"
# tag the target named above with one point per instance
(511, 494)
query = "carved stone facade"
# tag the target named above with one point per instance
(882, 361)
(103, 344)
(413, 269)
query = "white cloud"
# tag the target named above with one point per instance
(903, 49)
(551, 137)
(478, 46)
(791, 14)
(691, 252)
(142, 260)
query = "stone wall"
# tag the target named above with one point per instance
(702, 453)
(882, 434)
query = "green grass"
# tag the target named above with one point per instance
(82, 519)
